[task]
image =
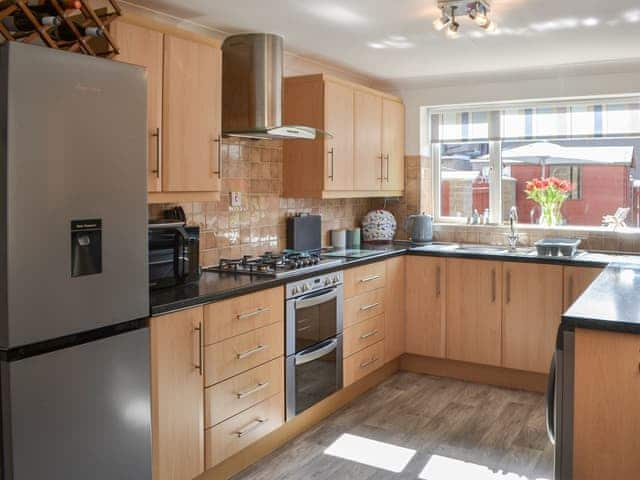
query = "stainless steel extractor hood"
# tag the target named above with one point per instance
(252, 68)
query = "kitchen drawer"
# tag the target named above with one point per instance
(364, 279)
(362, 307)
(363, 363)
(363, 335)
(243, 391)
(242, 314)
(244, 352)
(239, 432)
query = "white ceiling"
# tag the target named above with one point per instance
(394, 40)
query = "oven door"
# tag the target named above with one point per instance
(313, 374)
(313, 318)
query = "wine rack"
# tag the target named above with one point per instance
(76, 22)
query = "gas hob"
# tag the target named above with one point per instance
(275, 264)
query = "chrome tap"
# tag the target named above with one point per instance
(513, 235)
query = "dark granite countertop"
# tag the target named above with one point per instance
(213, 287)
(612, 302)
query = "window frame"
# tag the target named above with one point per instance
(495, 109)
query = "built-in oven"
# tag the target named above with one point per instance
(313, 341)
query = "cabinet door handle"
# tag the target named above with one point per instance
(493, 286)
(252, 426)
(438, 282)
(200, 347)
(387, 159)
(508, 287)
(256, 312)
(331, 154)
(364, 308)
(218, 142)
(251, 391)
(370, 279)
(253, 351)
(368, 363)
(571, 299)
(158, 138)
(373, 333)
(381, 158)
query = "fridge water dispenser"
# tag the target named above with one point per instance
(86, 247)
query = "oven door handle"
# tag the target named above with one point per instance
(313, 300)
(316, 352)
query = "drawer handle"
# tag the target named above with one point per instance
(364, 308)
(370, 279)
(364, 336)
(369, 363)
(256, 312)
(251, 391)
(252, 426)
(253, 351)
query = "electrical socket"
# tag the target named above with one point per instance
(236, 199)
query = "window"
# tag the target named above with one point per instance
(484, 160)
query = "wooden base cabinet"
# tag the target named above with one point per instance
(176, 395)
(531, 315)
(395, 308)
(606, 401)
(473, 306)
(425, 293)
(576, 281)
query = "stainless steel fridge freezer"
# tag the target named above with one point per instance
(74, 342)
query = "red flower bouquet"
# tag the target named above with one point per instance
(550, 194)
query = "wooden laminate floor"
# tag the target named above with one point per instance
(423, 428)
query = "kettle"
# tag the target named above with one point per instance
(420, 228)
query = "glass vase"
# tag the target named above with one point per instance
(550, 215)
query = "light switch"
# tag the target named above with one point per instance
(236, 199)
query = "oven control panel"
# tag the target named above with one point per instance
(302, 287)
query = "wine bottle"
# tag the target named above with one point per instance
(64, 33)
(18, 22)
(46, 14)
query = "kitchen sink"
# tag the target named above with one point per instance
(480, 249)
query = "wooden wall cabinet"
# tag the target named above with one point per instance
(392, 145)
(606, 423)
(177, 404)
(184, 108)
(365, 155)
(576, 281)
(473, 309)
(425, 294)
(143, 46)
(531, 315)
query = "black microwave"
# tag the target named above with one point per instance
(173, 254)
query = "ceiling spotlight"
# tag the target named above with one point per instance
(490, 27)
(441, 22)
(452, 31)
(477, 11)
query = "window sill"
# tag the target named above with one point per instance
(527, 227)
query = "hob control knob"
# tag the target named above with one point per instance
(305, 287)
(295, 290)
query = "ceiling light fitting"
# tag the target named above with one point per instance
(478, 11)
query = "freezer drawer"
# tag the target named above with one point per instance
(81, 412)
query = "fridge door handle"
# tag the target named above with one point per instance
(551, 398)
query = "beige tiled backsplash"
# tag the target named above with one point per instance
(254, 168)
